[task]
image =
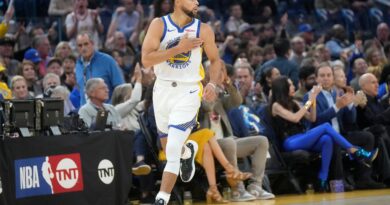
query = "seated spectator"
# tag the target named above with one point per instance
(307, 80)
(29, 73)
(374, 115)
(269, 54)
(33, 56)
(337, 109)
(49, 82)
(69, 63)
(120, 48)
(310, 61)
(359, 68)
(55, 66)
(68, 78)
(42, 44)
(19, 88)
(255, 56)
(250, 90)
(298, 50)
(125, 100)
(7, 53)
(97, 93)
(376, 111)
(306, 32)
(383, 34)
(322, 54)
(287, 122)
(266, 80)
(375, 61)
(62, 50)
(216, 118)
(63, 93)
(340, 81)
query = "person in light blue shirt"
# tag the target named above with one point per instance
(95, 64)
(125, 19)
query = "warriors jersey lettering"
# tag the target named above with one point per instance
(184, 67)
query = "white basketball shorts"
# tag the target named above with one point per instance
(176, 104)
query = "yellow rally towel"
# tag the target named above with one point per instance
(201, 137)
(5, 91)
(3, 29)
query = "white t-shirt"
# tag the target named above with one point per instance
(85, 24)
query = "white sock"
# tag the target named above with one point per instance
(163, 195)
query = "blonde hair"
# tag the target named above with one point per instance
(58, 49)
(15, 79)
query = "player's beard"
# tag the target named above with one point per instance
(192, 14)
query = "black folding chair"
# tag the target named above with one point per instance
(278, 162)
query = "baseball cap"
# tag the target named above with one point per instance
(305, 28)
(32, 55)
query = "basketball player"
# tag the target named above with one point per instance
(174, 45)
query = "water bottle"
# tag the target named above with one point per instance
(187, 198)
(227, 193)
(309, 189)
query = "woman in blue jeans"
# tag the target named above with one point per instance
(287, 121)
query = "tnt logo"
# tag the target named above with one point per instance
(48, 175)
(106, 171)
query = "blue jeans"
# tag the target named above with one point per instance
(319, 139)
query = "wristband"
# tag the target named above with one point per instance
(212, 84)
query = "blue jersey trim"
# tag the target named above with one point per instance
(183, 127)
(165, 29)
(198, 31)
(180, 30)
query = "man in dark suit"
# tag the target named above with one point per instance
(375, 116)
(340, 112)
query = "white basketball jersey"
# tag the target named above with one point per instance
(184, 67)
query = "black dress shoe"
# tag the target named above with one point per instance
(321, 186)
(369, 184)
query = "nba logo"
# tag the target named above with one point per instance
(48, 175)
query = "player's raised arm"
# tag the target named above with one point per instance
(151, 53)
(212, 53)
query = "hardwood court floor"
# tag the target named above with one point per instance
(377, 197)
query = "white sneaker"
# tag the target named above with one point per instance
(259, 193)
(242, 195)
